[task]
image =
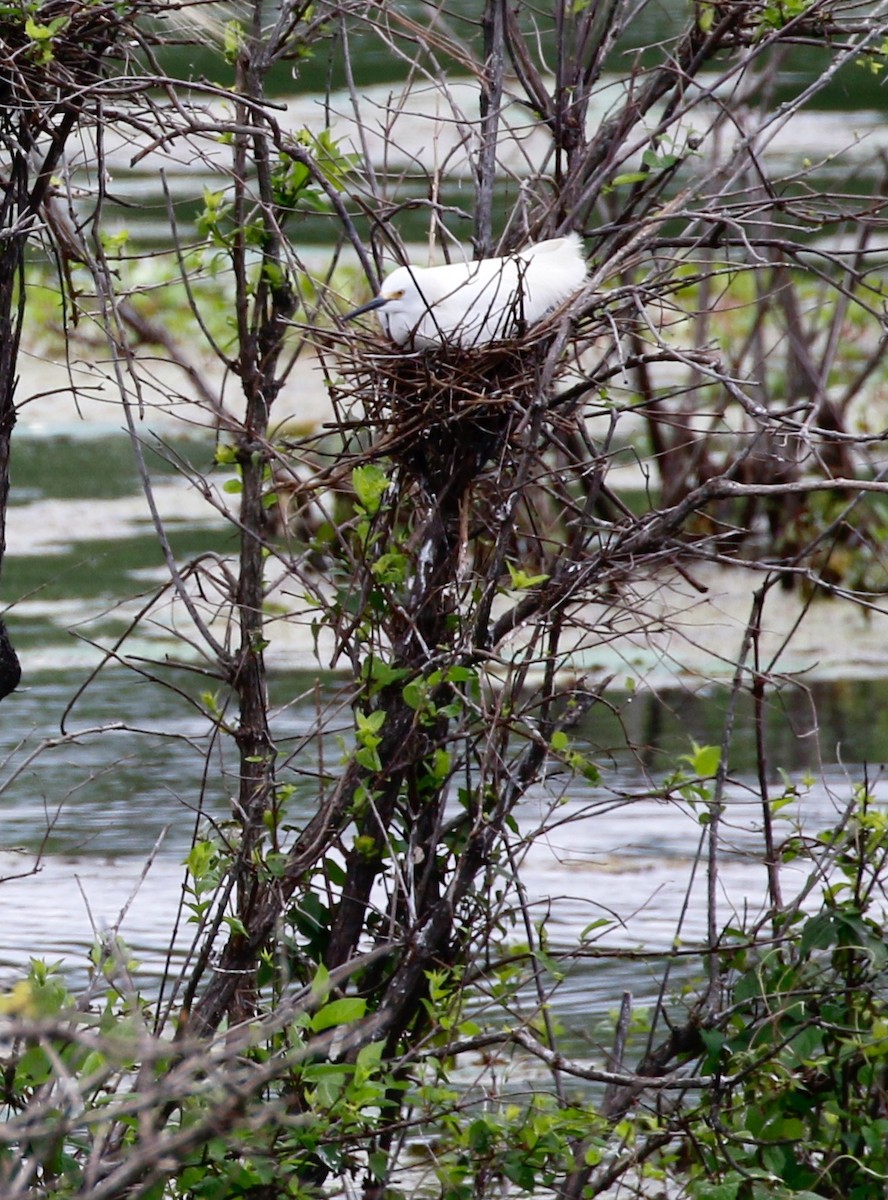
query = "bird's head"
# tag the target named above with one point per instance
(400, 304)
(389, 296)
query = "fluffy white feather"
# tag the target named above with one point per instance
(471, 304)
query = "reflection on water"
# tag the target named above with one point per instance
(807, 726)
(101, 794)
(93, 810)
(315, 96)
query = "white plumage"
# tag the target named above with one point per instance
(473, 303)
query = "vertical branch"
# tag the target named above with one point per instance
(561, 92)
(493, 23)
(716, 808)
(16, 221)
(18, 210)
(12, 302)
(254, 738)
(12, 307)
(772, 865)
(611, 1102)
(262, 302)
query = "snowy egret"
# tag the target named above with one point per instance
(473, 303)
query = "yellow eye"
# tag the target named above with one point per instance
(395, 295)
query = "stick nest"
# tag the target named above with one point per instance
(57, 51)
(442, 413)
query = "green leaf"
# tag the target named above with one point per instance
(233, 40)
(339, 1012)
(726, 1190)
(462, 675)
(521, 580)
(379, 1165)
(370, 722)
(335, 166)
(368, 758)
(704, 760)
(661, 162)
(479, 1136)
(598, 923)
(370, 484)
(440, 764)
(320, 985)
(37, 33)
(365, 847)
(415, 694)
(370, 1056)
(818, 933)
(713, 1040)
(390, 567)
(806, 1045)
(791, 1128)
(380, 674)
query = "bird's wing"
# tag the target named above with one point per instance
(569, 245)
(554, 272)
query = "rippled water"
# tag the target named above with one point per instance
(87, 811)
(105, 821)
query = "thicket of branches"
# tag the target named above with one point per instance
(366, 1002)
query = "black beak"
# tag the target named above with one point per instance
(365, 308)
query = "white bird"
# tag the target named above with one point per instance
(473, 303)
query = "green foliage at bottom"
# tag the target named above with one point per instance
(803, 1051)
(794, 1103)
